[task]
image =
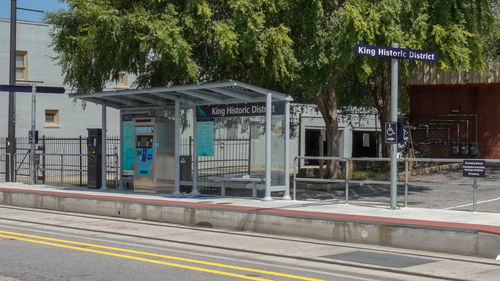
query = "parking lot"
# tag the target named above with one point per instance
(439, 190)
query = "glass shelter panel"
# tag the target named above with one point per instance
(239, 141)
(278, 150)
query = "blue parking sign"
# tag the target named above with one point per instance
(391, 132)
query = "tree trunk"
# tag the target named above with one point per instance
(379, 87)
(327, 105)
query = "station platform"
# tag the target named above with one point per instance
(446, 231)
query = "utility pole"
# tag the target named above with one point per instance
(11, 138)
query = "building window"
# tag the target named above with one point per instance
(21, 68)
(122, 79)
(51, 117)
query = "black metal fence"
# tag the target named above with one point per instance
(231, 156)
(59, 161)
(63, 161)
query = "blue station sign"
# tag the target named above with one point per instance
(395, 53)
(29, 89)
(238, 110)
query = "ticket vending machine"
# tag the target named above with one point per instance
(153, 155)
(94, 156)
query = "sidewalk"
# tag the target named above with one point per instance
(456, 232)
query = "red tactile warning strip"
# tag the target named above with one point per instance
(275, 211)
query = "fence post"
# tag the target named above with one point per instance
(43, 159)
(14, 172)
(249, 151)
(189, 145)
(81, 175)
(406, 182)
(351, 168)
(346, 181)
(117, 171)
(7, 159)
(294, 181)
(62, 164)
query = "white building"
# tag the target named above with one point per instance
(56, 115)
(359, 133)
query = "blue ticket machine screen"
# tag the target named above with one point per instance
(144, 153)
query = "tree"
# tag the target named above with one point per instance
(282, 45)
(302, 47)
(453, 29)
(166, 42)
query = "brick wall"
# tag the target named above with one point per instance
(450, 113)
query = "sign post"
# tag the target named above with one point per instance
(394, 119)
(391, 128)
(474, 169)
(33, 129)
(34, 89)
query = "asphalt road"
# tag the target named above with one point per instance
(45, 245)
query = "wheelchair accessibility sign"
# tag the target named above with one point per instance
(393, 133)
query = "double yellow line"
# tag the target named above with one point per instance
(26, 238)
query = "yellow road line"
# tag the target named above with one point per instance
(137, 258)
(165, 256)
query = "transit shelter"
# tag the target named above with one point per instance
(209, 134)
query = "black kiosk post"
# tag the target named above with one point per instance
(94, 156)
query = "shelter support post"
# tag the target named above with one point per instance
(103, 158)
(120, 182)
(195, 154)
(286, 196)
(267, 196)
(394, 118)
(177, 190)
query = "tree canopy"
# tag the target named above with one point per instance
(454, 29)
(172, 42)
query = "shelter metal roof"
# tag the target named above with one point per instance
(224, 92)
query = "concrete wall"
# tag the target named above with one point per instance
(436, 239)
(34, 38)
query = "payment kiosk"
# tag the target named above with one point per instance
(154, 161)
(94, 156)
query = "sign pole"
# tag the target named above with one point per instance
(393, 134)
(33, 137)
(474, 199)
(394, 118)
(11, 139)
(474, 168)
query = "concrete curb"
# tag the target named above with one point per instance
(453, 238)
